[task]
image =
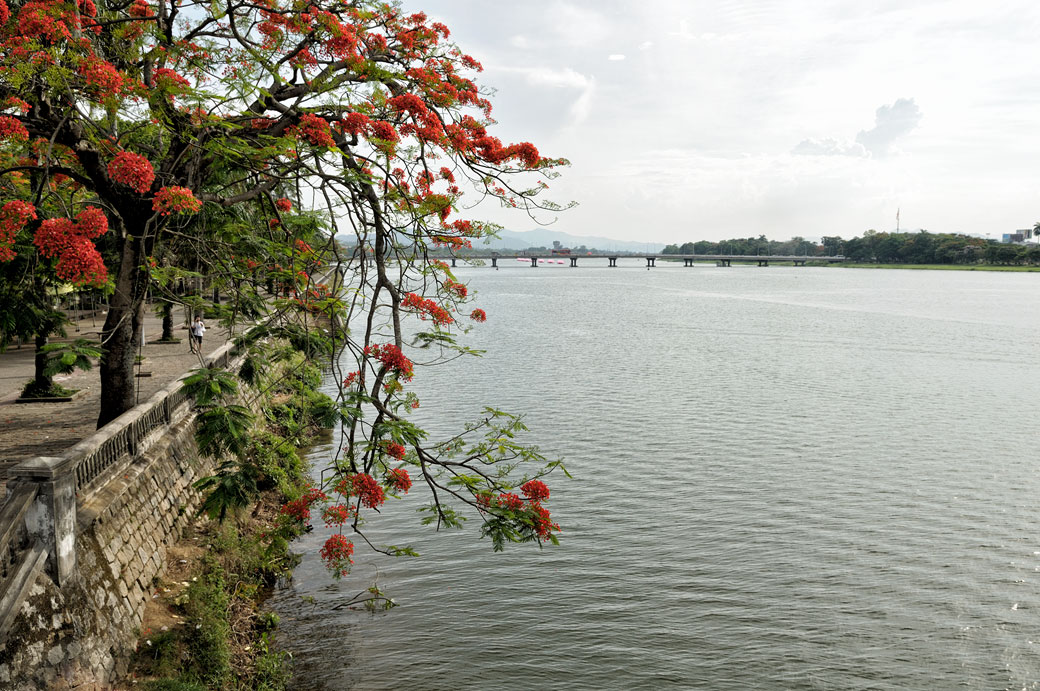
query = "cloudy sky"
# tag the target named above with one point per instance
(709, 119)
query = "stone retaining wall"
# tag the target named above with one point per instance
(80, 636)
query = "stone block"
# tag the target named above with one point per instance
(55, 655)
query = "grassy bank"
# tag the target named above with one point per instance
(205, 627)
(941, 267)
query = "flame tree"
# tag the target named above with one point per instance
(201, 130)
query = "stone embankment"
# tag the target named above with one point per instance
(84, 533)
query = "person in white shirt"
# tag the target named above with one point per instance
(197, 330)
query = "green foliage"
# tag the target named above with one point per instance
(207, 629)
(174, 685)
(310, 342)
(277, 463)
(273, 672)
(35, 389)
(209, 386)
(66, 358)
(223, 430)
(249, 372)
(234, 487)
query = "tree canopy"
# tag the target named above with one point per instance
(145, 142)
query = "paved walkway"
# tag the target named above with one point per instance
(47, 429)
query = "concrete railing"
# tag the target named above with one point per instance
(38, 518)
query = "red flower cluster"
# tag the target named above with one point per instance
(102, 78)
(70, 241)
(535, 490)
(12, 129)
(15, 102)
(46, 20)
(391, 356)
(336, 554)
(171, 200)
(13, 217)
(165, 78)
(336, 514)
(284, 205)
(428, 127)
(395, 450)
(449, 241)
(315, 130)
(478, 315)
(366, 489)
(439, 315)
(471, 136)
(528, 512)
(349, 380)
(542, 524)
(459, 289)
(510, 501)
(133, 170)
(140, 9)
(398, 480)
(300, 509)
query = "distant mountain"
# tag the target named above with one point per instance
(543, 237)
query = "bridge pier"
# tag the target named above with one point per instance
(799, 262)
(453, 262)
(723, 262)
(534, 262)
(763, 262)
(612, 260)
(650, 262)
(574, 261)
(687, 261)
(494, 262)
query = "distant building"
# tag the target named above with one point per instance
(1014, 237)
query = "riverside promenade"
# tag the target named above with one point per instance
(48, 429)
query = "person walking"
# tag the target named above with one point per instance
(197, 330)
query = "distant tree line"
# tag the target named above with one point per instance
(877, 248)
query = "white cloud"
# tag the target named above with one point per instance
(578, 25)
(829, 147)
(580, 109)
(684, 32)
(615, 57)
(565, 78)
(775, 106)
(890, 123)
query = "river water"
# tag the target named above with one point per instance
(790, 478)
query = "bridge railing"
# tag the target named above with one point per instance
(129, 435)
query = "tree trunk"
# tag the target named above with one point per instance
(41, 382)
(123, 323)
(167, 322)
(216, 295)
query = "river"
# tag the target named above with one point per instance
(790, 478)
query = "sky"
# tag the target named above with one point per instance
(705, 120)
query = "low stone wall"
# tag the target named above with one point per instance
(79, 636)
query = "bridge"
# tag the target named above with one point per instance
(651, 259)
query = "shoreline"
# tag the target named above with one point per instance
(943, 267)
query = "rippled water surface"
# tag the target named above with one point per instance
(793, 478)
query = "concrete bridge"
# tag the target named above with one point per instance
(651, 259)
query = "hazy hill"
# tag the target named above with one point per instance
(543, 237)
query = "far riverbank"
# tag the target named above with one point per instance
(941, 267)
